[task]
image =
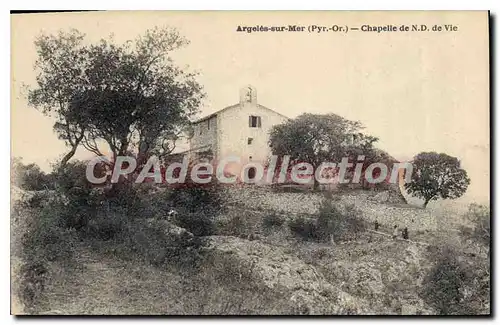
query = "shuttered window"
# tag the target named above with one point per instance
(254, 121)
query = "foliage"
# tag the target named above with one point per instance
(442, 284)
(193, 197)
(57, 221)
(47, 238)
(305, 228)
(272, 220)
(480, 232)
(42, 239)
(331, 223)
(337, 224)
(198, 223)
(437, 176)
(129, 96)
(153, 243)
(33, 277)
(457, 285)
(235, 224)
(316, 139)
(30, 177)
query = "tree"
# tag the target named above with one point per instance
(131, 96)
(60, 65)
(437, 176)
(315, 139)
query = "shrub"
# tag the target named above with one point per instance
(72, 176)
(198, 197)
(342, 225)
(197, 223)
(479, 216)
(457, 284)
(235, 224)
(106, 225)
(272, 220)
(43, 239)
(125, 222)
(442, 286)
(33, 276)
(46, 238)
(36, 200)
(304, 228)
(30, 177)
(330, 223)
(77, 201)
(158, 245)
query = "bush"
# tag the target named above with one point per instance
(158, 245)
(457, 284)
(304, 228)
(106, 225)
(125, 222)
(43, 238)
(72, 176)
(46, 238)
(442, 286)
(197, 223)
(198, 197)
(235, 224)
(272, 220)
(341, 225)
(30, 177)
(33, 276)
(331, 223)
(479, 216)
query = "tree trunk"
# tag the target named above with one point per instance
(122, 182)
(67, 157)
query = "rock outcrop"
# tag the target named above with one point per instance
(305, 287)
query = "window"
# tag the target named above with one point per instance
(208, 124)
(254, 122)
(250, 140)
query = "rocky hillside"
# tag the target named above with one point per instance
(251, 263)
(381, 277)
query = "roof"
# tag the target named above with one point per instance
(233, 106)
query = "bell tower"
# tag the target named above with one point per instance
(248, 94)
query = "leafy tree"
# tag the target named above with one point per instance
(437, 176)
(131, 96)
(315, 138)
(60, 67)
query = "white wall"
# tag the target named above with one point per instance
(234, 132)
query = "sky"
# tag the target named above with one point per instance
(415, 91)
